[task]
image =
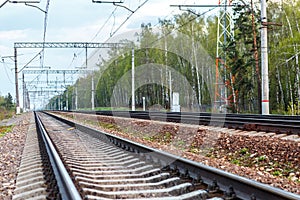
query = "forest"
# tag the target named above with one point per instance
(7, 107)
(179, 55)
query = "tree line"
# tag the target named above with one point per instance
(7, 106)
(179, 55)
(6, 102)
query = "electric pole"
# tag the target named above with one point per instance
(17, 83)
(225, 33)
(132, 82)
(264, 59)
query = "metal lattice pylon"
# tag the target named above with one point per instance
(225, 33)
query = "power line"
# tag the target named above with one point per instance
(101, 28)
(114, 23)
(77, 53)
(113, 14)
(46, 20)
(5, 66)
(132, 12)
(177, 28)
(171, 14)
(4, 3)
(45, 30)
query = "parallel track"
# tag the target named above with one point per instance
(103, 166)
(268, 123)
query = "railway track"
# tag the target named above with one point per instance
(269, 123)
(36, 179)
(96, 165)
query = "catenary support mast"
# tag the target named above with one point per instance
(264, 60)
(85, 45)
(224, 35)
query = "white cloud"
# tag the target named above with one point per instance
(14, 34)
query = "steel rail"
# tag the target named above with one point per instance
(243, 188)
(66, 186)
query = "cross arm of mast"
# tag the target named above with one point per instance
(67, 45)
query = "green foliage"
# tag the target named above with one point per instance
(154, 93)
(7, 102)
(293, 109)
(236, 162)
(244, 150)
(7, 107)
(242, 61)
(277, 173)
(262, 158)
(242, 64)
(109, 126)
(284, 46)
(4, 130)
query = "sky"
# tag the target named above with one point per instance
(70, 21)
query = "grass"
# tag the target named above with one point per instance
(262, 158)
(4, 130)
(236, 162)
(148, 138)
(277, 173)
(6, 114)
(194, 150)
(181, 144)
(243, 157)
(109, 126)
(161, 138)
(244, 150)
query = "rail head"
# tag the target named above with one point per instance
(66, 186)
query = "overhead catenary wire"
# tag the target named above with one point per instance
(113, 25)
(95, 36)
(128, 17)
(119, 27)
(104, 24)
(42, 52)
(5, 66)
(44, 34)
(171, 15)
(26, 65)
(113, 14)
(170, 32)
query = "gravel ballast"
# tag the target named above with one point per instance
(265, 157)
(11, 148)
(258, 156)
